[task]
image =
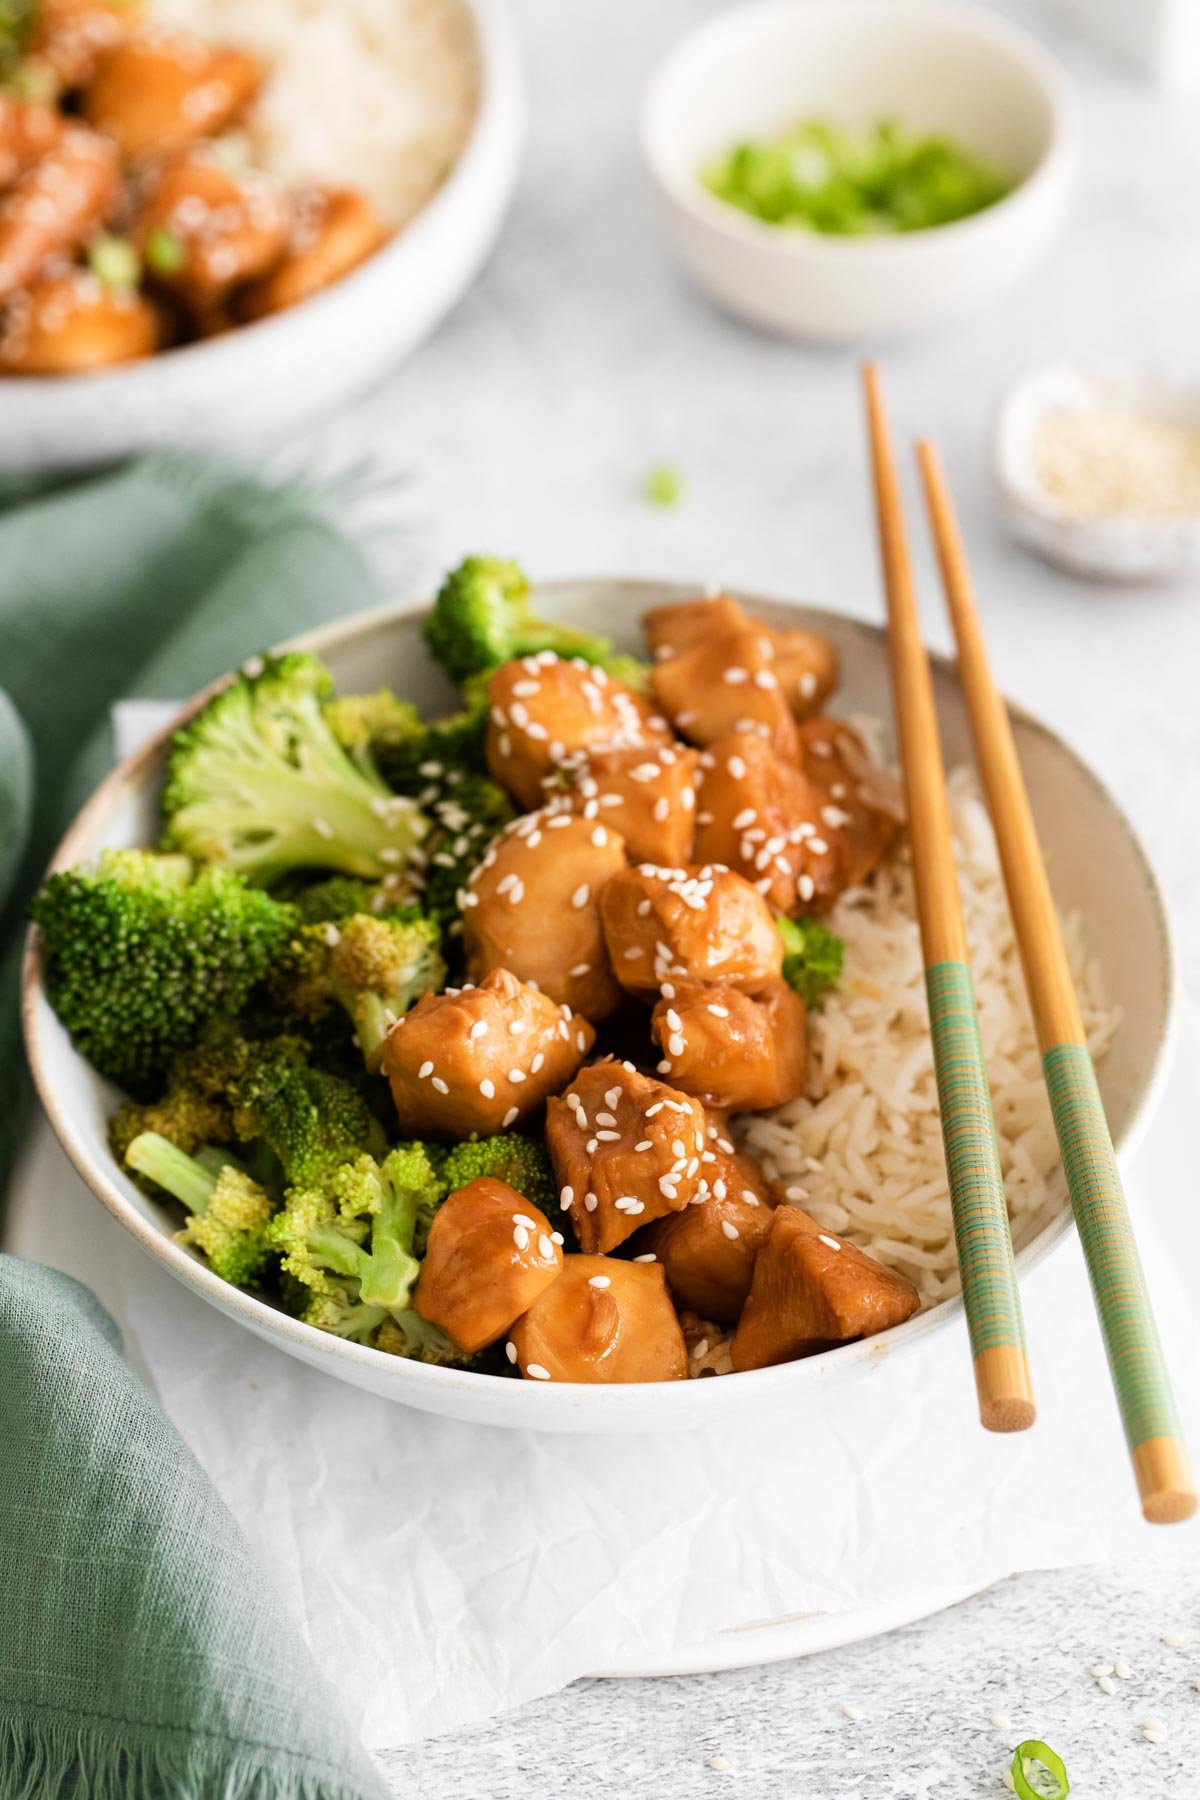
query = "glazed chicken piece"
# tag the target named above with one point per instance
(479, 1059)
(648, 795)
(202, 231)
(71, 321)
(812, 1290)
(701, 921)
(726, 683)
(601, 1321)
(804, 662)
(731, 1051)
(532, 906)
(490, 1255)
(625, 1149)
(27, 130)
(69, 37)
(764, 817)
(55, 205)
(707, 1251)
(160, 89)
(333, 230)
(546, 708)
(862, 803)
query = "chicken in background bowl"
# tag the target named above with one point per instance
(173, 171)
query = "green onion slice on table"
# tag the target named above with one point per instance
(1025, 1756)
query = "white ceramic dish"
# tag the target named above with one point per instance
(954, 69)
(265, 378)
(1108, 549)
(1086, 832)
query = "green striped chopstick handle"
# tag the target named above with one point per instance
(1114, 1267)
(981, 1227)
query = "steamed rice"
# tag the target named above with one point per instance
(863, 1154)
(378, 95)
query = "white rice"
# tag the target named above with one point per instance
(865, 1149)
(374, 94)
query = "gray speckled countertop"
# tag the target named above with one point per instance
(927, 1695)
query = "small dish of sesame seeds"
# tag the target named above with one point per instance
(1098, 469)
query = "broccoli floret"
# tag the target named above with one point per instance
(520, 1162)
(312, 1121)
(482, 618)
(367, 724)
(812, 957)
(259, 782)
(228, 1212)
(453, 744)
(375, 968)
(143, 952)
(349, 1247)
(467, 815)
(329, 902)
(408, 1334)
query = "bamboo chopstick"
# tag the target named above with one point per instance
(1135, 1356)
(981, 1228)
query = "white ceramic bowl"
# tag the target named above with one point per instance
(1106, 549)
(943, 68)
(1079, 822)
(267, 377)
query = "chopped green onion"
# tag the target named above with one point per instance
(115, 262)
(818, 176)
(663, 486)
(165, 253)
(1024, 1757)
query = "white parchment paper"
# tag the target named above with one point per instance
(443, 1572)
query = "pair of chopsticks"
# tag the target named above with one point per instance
(980, 1212)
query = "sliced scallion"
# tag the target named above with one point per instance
(1024, 1757)
(114, 261)
(165, 253)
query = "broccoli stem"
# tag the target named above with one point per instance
(185, 1177)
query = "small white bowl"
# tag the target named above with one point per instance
(263, 379)
(1111, 548)
(1078, 821)
(939, 68)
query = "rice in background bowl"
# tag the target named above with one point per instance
(375, 94)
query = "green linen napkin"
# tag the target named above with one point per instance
(142, 1654)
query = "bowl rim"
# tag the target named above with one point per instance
(499, 90)
(966, 21)
(604, 1400)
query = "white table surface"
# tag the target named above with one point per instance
(527, 427)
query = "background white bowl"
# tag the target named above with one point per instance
(266, 377)
(1079, 822)
(954, 69)
(1106, 549)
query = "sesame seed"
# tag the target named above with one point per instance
(731, 1231)
(1107, 1685)
(510, 1115)
(516, 1075)
(851, 1712)
(537, 1371)
(737, 768)
(590, 1202)
(1099, 1669)
(1175, 1640)
(425, 1069)
(735, 676)
(599, 837)
(556, 1237)
(1122, 1671)
(510, 1350)
(648, 1257)
(538, 1059)
(1001, 1721)
(795, 1193)
(516, 1027)
(661, 809)
(545, 1247)
(440, 1085)
(830, 1241)
(612, 1097)
(676, 1045)
(608, 1137)
(521, 1237)
(1153, 1730)
(323, 828)
(605, 1118)
(581, 896)
(479, 1028)
(806, 887)
(646, 1144)
(720, 1763)
(599, 1281)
